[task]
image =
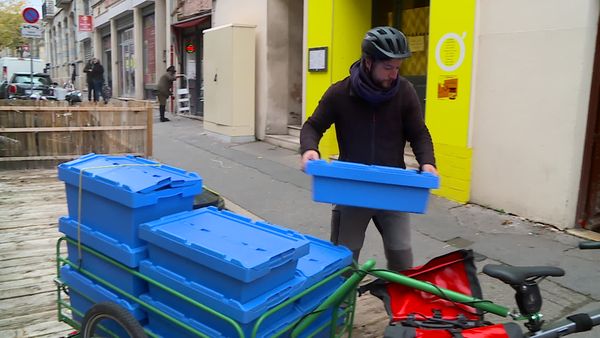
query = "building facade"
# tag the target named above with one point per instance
(135, 40)
(507, 93)
(506, 86)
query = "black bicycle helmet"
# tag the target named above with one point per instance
(385, 43)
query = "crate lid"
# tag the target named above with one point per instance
(372, 173)
(129, 180)
(131, 173)
(225, 241)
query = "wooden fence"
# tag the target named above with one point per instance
(42, 134)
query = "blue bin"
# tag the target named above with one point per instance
(225, 252)
(101, 268)
(210, 324)
(120, 192)
(323, 259)
(371, 186)
(98, 241)
(245, 314)
(83, 294)
(163, 327)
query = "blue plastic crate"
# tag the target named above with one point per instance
(109, 272)
(120, 192)
(83, 294)
(225, 252)
(244, 313)
(371, 186)
(98, 241)
(193, 316)
(163, 327)
(323, 259)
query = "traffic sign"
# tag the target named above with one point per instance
(31, 30)
(31, 15)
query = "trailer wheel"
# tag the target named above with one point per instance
(111, 316)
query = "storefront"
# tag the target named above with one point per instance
(439, 68)
(498, 95)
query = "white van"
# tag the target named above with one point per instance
(10, 65)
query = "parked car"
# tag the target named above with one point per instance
(20, 87)
(11, 65)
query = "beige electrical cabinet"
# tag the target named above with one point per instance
(229, 86)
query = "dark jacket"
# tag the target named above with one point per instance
(87, 69)
(165, 84)
(370, 133)
(97, 72)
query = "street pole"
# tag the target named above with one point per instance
(31, 65)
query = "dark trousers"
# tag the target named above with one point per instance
(90, 85)
(349, 224)
(97, 89)
(161, 111)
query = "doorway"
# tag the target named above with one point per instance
(127, 63)
(107, 59)
(412, 18)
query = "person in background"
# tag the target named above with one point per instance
(164, 90)
(73, 73)
(96, 74)
(375, 112)
(88, 79)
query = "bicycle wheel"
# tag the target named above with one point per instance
(107, 316)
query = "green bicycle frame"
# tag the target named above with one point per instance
(352, 283)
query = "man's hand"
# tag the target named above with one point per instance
(428, 168)
(309, 155)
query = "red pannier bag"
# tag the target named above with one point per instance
(415, 313)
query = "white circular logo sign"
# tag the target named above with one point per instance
(450, 51)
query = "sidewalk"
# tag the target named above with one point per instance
(264, 182)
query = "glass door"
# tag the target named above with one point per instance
(127, 63)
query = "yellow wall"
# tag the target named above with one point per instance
(451, 33)
(340, 26)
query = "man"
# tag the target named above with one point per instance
(88, 78)
(375, 112)
(165, 89)
(96, 74)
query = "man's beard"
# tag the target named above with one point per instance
(382, 84)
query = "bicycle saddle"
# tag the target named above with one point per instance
(517, 275)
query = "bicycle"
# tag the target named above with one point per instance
(527, 295)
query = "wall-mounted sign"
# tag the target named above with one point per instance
(85, 23)
(317, 59)
(450, 51)
(190, 47)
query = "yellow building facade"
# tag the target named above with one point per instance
(440, 35)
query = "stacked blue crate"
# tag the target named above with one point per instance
(236, 267)
(108, 197)
(84, 294)
(120, 192)
(371, 186)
